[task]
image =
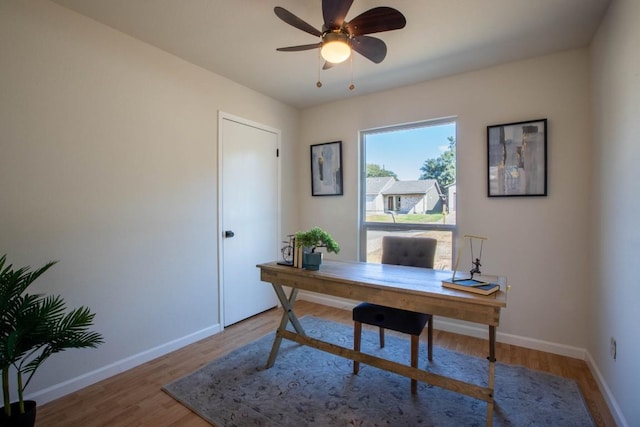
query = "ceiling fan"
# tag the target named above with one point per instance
(338, 37)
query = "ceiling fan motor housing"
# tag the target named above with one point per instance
(336, 46)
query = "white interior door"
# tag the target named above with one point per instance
(249, 208)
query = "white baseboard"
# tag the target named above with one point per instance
(74, 384)
(612, 403)
(462, 328)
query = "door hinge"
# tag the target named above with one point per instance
(277, 152)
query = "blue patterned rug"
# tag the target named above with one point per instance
(308, 387)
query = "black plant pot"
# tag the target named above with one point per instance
(28, 419)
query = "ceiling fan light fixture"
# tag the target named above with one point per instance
(335, 47)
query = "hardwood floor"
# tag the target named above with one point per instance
(135, 398)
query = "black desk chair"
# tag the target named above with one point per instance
(399, 250)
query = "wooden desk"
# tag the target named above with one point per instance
(409, 288)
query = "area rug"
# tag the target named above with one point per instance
(308, 387)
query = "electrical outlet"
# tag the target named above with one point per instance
(613, 348)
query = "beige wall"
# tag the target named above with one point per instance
(615, 296)
(539, 243)
(109, 164)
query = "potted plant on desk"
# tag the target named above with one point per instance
(32, 328)
(311, 240)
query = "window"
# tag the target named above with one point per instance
(408, 186)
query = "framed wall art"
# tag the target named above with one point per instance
(517, 159)
(326, 169)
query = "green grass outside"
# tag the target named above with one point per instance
(406, 218)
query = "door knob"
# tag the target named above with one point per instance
(228, 233)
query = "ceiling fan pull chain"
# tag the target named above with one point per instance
(319, 83)
(351, 86)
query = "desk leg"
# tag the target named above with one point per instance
(287, 316)
(492, 373)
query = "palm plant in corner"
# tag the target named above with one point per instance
(313, 239)
(32, 328)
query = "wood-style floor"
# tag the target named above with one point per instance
(135, 398)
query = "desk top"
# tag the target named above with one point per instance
(410, 282)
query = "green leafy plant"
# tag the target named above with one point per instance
(35, 326)
(316, 238)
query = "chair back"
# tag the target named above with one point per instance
(411, 251)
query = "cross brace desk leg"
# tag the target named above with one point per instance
(287, 316)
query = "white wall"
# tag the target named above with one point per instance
(615, 232)
(109, 164)
(539, 243)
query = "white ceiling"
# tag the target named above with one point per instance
(238, 39)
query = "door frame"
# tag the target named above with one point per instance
(226, 116)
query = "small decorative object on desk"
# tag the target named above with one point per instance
(306, 243)
(288, 251)
(475, 282)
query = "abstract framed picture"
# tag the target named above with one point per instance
(326, 169)
(517, 159)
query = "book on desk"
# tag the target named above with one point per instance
(472, 285)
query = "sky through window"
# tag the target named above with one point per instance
(404, 151)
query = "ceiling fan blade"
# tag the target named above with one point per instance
(299, 48)
(334, 12)
(294, 21)
(376, 20)
(371, 48)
